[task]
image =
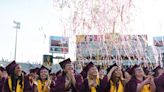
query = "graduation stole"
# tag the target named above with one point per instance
(146, 88)
(18, 86)
(93, 89)
(41, 86)
(114, 89)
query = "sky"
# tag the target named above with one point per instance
(39, 18)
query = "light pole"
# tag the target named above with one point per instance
(16, 27)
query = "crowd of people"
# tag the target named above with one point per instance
(89, 78)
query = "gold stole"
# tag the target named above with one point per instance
(146, 88)
(40, 85)
(18, 86)
(93, 89)
(113, 88)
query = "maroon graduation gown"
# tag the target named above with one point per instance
(27, 86)
(85, 86)
(131, 86)
(59, 85)
(2, 81)
(159, 82)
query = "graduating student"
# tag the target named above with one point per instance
(16, 81)
(2, 78)
(114, 79)
(69, 81)
(44, 80)
(159, 78)
(140, 83)
(126, 75)
(33, 75)
(92, 83)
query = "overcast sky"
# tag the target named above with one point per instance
(39, 17)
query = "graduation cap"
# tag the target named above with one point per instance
(146, 70)
(64, 62)
(112, 66)
(132, 70)
(10, 67)
(43, 67)
(35, 70)
(90, 65)
(155, 70)
(32, 70)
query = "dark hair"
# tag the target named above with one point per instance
(15, 79)
(39, 78)
(115, 82)
(156, 74)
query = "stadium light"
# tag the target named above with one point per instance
(16, 27)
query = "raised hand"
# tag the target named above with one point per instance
(67, 83)
(48, 83)
(71, 76)
(110, 72)
(147, 80)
